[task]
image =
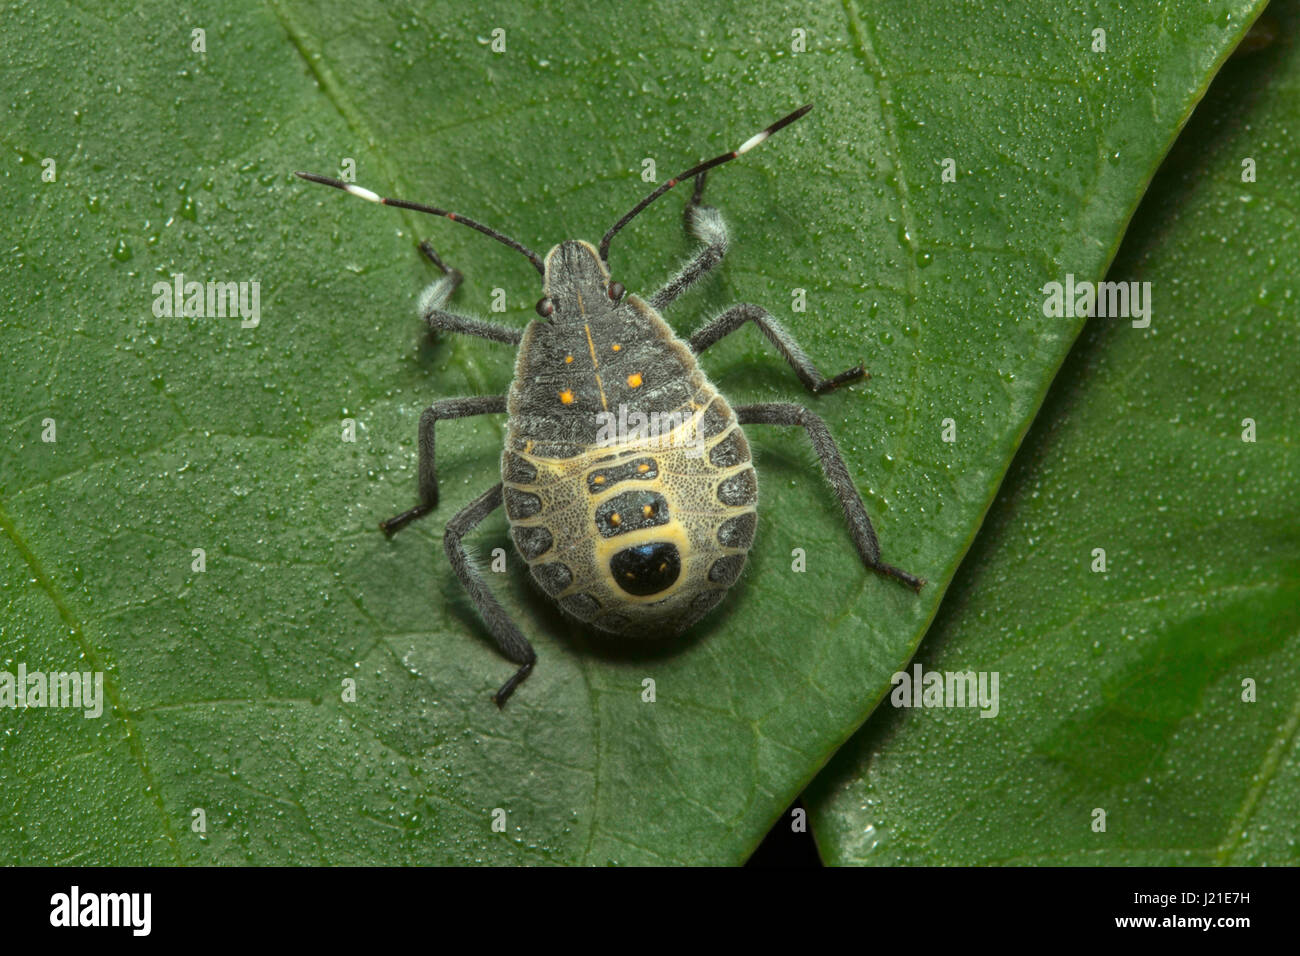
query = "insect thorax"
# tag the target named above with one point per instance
(628, 481)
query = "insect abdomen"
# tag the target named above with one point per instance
(641, 538)
(628, 481)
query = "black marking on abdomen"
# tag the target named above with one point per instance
(582, 606)
(522, 504)
(631, 511)
(714, 419)
(603, 478)
(518, 470)
(732, 450)
(726, 570)
(704, 601)
(646, 569)
(739, 489)
(553, 577)
(737, 532)
(532, 542)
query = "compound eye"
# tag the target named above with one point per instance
(616, 290)
(545, 306)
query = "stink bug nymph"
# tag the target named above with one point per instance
(637, 533)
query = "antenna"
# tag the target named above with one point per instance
(695, 171)
(369, 196)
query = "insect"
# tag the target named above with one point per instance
(638, 532)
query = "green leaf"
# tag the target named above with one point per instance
(176, 434)
(1127, 691)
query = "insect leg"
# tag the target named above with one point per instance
(435, 296)
(508, 637)
(864, 536)
(738, 315)
(705, 223)
(447, 408)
